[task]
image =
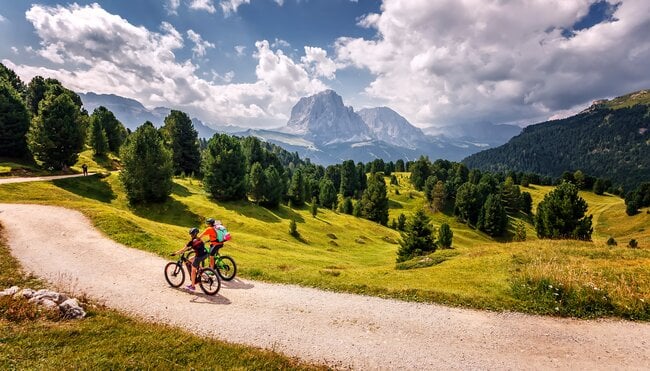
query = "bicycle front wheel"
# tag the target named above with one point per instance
(174, 274)
(226, 267)
(209, 281)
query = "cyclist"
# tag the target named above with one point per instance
(211, 232)
(200, 254)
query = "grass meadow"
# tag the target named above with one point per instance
(339, 252)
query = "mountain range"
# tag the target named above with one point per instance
(326, 131)
(610, 139)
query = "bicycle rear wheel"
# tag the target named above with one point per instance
(174, 274)
(226, 267)
(209, 281)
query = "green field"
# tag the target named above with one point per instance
(342, 253)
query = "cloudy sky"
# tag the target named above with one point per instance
(439, 63)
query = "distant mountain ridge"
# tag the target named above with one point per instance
(132, 113)
(610, 139)
(321, 128)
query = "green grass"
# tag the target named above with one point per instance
(106, 339)
(341, 253)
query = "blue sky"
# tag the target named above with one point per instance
(439, 63)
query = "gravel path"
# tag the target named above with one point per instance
(38, 178)
(340, 330)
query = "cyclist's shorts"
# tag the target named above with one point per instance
(215, 248)
(197, 261)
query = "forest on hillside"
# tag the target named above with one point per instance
(607, 143)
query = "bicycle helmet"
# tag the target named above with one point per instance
(194, 231)
(209, 221)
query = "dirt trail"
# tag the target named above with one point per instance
(38, 178)
(340, 330)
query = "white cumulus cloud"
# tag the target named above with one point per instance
(101, 52)
(200, 45)
(317, 60)
(206, 5)
(446, 61)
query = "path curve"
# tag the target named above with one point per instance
(340, 330)
(38, 178)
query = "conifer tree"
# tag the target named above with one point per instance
(182, 139)
(417, 239)
(224, 168)
(9, 76)
(438, 197)
(114, 130)
(296, 192)
(314, 206)
(445, 236)
(349, 179)
(599, 187)
(493, 219)
(561, 214)
(275, 188)
(420, 171)
(346, 206)
(56, 135)
(14, 122)
(147, 166)
(429, 184)
(257, 184)
(327, 193)
(468, 203)
(374, 202)
(399, 166)
(401, 222)
(98, 140)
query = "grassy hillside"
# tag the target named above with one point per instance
(342, 253)
(609, 140)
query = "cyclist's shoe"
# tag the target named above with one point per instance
(190, 287)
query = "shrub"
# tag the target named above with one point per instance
(293, 229)
(633, 244)
(561, 214)
(417, 238)
(611, 241)
(520, 231)
(445, 236)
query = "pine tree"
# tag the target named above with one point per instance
(468, 203)
(224, 168)
(327, 193)
(420, 171)
(445, 236)
(374, 202)
(417, 239)
(114, 130)
(401, 222)
(182, 139)
(257, 184)
(14, 122)
(9, 76)
(314, 207)
(399, 166)
(561, 214)
(346, 206)
(293, 228)
(493, 219)
(275, 188)
(438, 197)
(98, 140)
(526, 202)
(147, 166)
(296, 190)
(56, 136)
(520, 231)
(599, 187)
(429, 184)
(349, 179)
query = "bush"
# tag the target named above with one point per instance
(445, 236)
(611, 241)
(417, 238)
(633, 244)
(293, 229)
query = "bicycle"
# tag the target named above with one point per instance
(207, 277)
(225, 266)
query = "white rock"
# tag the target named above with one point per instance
(10, 291)
(71, 309)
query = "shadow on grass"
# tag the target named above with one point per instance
(250, 210)
(88, 187)
(170, 212)
(180, 190)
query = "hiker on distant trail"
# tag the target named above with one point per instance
(84, 167)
